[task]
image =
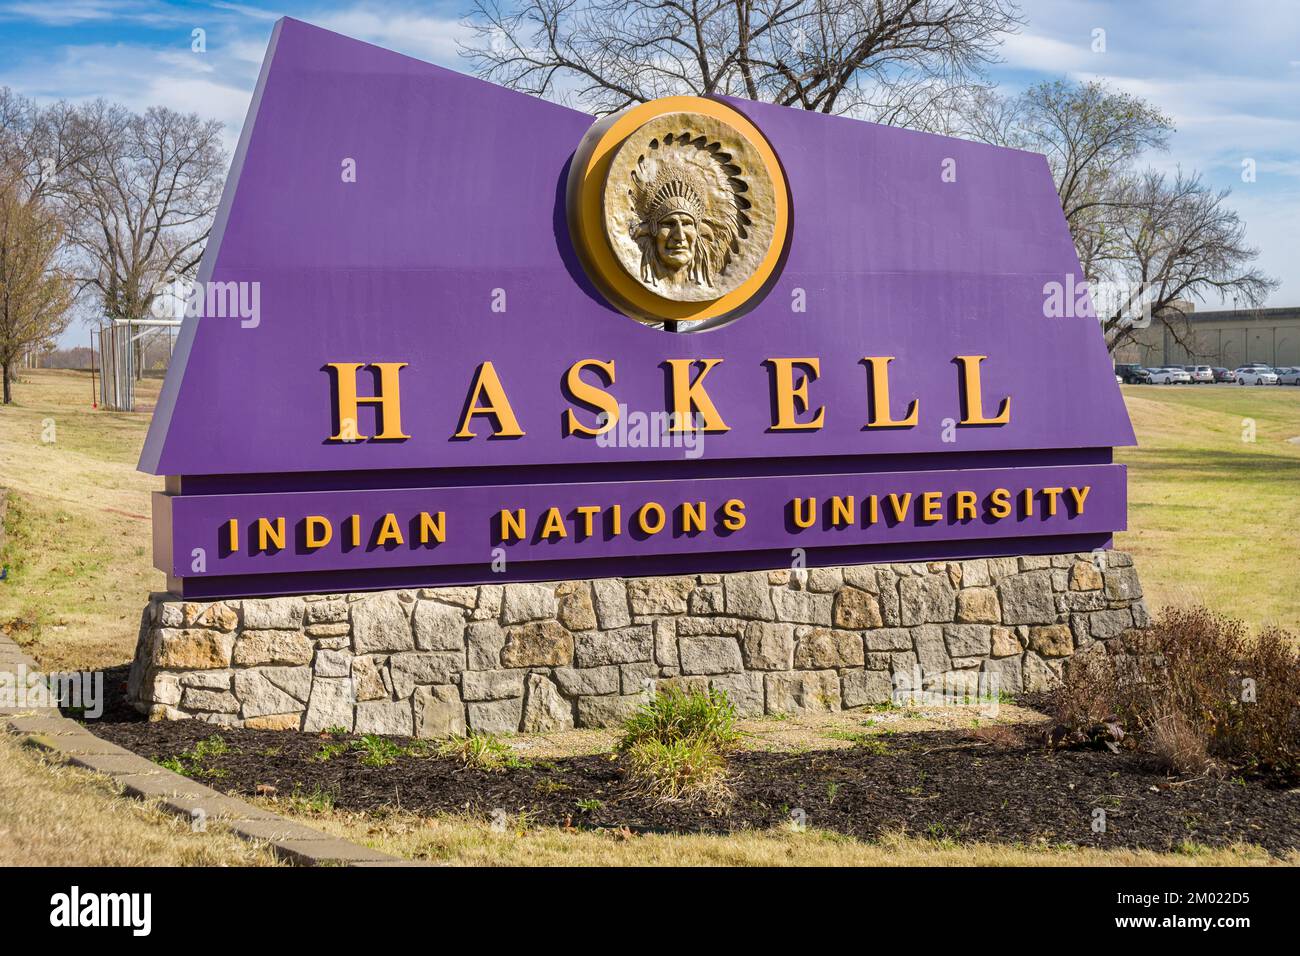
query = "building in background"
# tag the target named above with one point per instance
(1228, 338)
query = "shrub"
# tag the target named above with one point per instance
(1197, 690)
(674, 747)
(687, 770)
(674, 715)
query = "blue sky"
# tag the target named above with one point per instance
(1229, 74)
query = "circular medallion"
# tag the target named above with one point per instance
(678, 209)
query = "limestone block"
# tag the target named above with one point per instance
(254, 648)
(587, 681)
(528, 602)
(927, 600)
(331, 705)
(1053, 640)
(978, 606)
(495, 716)
(423, 667)
(709, 654)
(611, 603)
(545, 710)
(660, 595)
(438, 627)
(608, 711)
(484, 641)
(391, 717)
(768, 646)
(745, 692)
(492, 685)
(822, 648)
(577, 612)
(438, 712)
(381, 623)
(802, 690)
(193, 649)
(1027, 598)
(747, 595)
(856, 609)
(865, 688)
(537, 644)
(282, 614)
(626, 645)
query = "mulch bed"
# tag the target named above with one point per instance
(950, 784)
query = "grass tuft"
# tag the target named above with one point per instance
(674, 747)
(482, 752)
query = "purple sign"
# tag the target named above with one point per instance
(401, 320)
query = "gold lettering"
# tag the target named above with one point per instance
(899, 505)
(842, 510)
(651, 507)
(596, 398)
(878, 373)
(803, 511)
(433, 527)
(972, 392)
(1051, 494)
(514, 524)
(553, 524)
(690, 397)
(389, 531)
(792, 397)
(693, 516)
(488, 385)
(388, 399)
(268, 533)
(318, 531)
(1000, 502)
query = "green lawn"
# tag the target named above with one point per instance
(1214, 517)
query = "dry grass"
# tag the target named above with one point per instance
(52, 815)
(79, 558)
(1213, 518)
(468, 842)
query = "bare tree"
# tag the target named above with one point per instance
(1148, 243)
(884, 59)
(1177, 242)
(139, 198)
(35, 294)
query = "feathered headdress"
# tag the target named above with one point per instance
(687, 174)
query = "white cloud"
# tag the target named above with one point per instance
(428, 37)
(70, 12)
(1029, 51)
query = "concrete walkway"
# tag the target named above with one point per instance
(66, 741)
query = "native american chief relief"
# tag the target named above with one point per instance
(688, 207)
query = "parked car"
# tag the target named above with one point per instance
(1131, 374)
(1224, 375)
(1200, 373)
(1170, 375)
(1256, 375)
(1289, 376)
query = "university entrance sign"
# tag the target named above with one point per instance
(499, 340)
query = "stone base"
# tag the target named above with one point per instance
(541, 657)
